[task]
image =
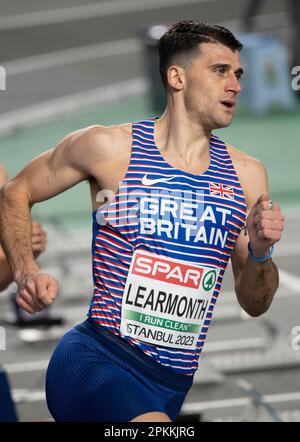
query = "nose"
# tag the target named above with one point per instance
(233, 85)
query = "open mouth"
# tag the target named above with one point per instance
(228, 104)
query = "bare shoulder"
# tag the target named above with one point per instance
(106, 135)
(251, 172)
(245, 162)
(100, 142)
(112, 139)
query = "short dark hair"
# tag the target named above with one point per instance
(181, 42)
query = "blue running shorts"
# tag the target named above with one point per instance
(95, 376)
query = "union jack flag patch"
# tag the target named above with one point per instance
(221, 190)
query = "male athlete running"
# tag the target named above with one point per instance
(177, 203)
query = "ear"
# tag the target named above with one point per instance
(176, 77)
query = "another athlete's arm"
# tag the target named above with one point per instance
(256, 282)
(46, 176)
(5, 270)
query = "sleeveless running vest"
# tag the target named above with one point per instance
(160, 248)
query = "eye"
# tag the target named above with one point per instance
(220, 70)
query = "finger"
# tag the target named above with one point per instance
(32, 300)
(264, 225)
(30, 292)
(29, 286)
(38, 231)
(265, 205)
(269, 215)
(53, 288)
(268, 223)
(35, 225)
(47, 290)
(37, 235)
(23, 294)
(262, 206)
(264, 197)
(269, 235)
(24, 305)
(39, 247)
(38, 243)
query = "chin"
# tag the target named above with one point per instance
(220, 124)
(227, 123)
(224, 122)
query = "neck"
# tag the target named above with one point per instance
(179, 133)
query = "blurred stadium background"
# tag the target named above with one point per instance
(73, 63)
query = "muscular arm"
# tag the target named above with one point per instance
(93, 152)
(38, 243)
(256, 282)
(46, 176)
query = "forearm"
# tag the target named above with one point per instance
(16, 231)
(256, 286)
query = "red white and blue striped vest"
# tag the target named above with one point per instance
(161, 246)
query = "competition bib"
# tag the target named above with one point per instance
(165, 300)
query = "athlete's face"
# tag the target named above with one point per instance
(212, 85)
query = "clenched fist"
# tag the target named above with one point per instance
(36, 291)
(265, 224)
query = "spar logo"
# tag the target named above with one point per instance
(209, 280)
(172, 271)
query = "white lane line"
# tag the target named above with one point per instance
(22, 367)
(289, 280)
(229, 297)
(32, 115)
(238, 402)
(73, 55)
(235, 345)
(109, 8)
(22, 395)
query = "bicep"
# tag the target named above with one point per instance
(52, 172)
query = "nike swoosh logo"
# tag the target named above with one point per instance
(149, 182)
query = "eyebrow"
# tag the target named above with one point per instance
(239, 71)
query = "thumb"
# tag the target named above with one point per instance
(47, 288)
(263, 197)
